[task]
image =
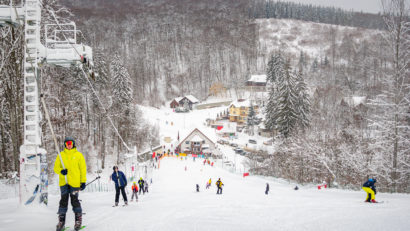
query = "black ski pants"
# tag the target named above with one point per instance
(69, 192)
(219, 191)
(142, 189)
(117, 193)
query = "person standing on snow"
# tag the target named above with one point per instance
(197, 187)
(134, 189)
(219, 184)
(120, 183)
(145, 186)
(72, 170)
(141, 184)
(267, 188)
(370, 189)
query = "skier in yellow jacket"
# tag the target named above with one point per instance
(71, 167)
(219, 184)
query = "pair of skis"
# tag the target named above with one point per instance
(67, 228)
(121, 205)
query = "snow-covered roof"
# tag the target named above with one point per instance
(354, 101)
(244, 103)
(192, 99)
(178, 99)
(196, 138)
(258, 79)
(206, 131)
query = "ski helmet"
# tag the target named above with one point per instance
(69, 138)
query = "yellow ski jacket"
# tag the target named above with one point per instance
(74, 162)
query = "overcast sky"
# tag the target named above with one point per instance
(370, 6)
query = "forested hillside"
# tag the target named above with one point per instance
(173, 47)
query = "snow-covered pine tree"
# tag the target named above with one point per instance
(303, 105)
(314, 66)
(270, 122)
(285, 113)
(251, 119)
(275, 66)
(121, 81)
(274, 72)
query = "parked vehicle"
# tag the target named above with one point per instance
(228, 163)
(181, 109)
(233, 144)
(252, 141)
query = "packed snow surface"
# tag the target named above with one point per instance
(173, 204)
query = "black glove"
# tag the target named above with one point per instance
(82, 186)
(64, 172)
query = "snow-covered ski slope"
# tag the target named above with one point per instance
(173, 204)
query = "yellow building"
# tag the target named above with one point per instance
(239, 110)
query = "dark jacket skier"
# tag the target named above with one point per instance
(120, 183)
(141, 183)
(219, 184)
(370, 189)
(267, 188)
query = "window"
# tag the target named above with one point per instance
(203, 141)
(186, 142)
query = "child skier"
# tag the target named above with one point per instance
(134, 189)
(146, 186)
(370, 189)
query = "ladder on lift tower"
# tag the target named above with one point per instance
(33, 158)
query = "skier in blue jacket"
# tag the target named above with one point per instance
(120, 183)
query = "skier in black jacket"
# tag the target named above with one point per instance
(141, 183)
(267, 188)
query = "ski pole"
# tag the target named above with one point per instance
(98, 177)
(52, 133)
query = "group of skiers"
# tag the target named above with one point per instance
(72, 170)
(120, 181)
(218, 184)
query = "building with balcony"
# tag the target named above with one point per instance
(239, 110)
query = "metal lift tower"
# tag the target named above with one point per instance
(62, 52)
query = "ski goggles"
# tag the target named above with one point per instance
(68, 143)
